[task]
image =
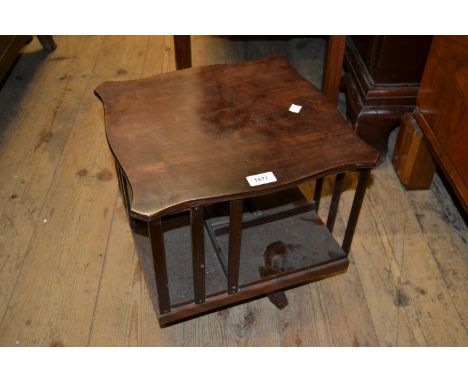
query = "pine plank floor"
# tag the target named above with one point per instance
(69, 274)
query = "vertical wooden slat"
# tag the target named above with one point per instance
(122, 187)
(318, 192)
(183, 52)
(235, 235)
(198, 254)
(355, 209)
(335, 201)
(159, 258)
(333, 68)
(124, 191)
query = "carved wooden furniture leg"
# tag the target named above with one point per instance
(183, 52)
(412, 159)
(47, 43)
(381, 83)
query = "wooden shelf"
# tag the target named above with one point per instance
(281, 235)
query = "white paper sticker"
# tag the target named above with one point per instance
(259, 179)
(295, 108)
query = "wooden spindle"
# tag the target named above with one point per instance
(355, 209)
(160, 270)
(235, 235)
(198, 254)
(318, 192)
(182, 51)
(119, 179)
(124, 191)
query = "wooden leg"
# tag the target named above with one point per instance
(355, 209)
(235, 234)
(160, 270)
(333, 68)
(47, 43)
(198, 254)
(183, 52)
(318, 192)
(412, 160)
(335, 201)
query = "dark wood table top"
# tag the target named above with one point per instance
(193, 136)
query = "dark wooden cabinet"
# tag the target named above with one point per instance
(381, 83)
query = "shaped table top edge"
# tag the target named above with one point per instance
(368, 158)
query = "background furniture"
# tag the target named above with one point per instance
(442, 116)
(10, 46)
(381, 84)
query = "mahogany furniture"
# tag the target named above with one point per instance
(442, 115)
(10, 46)
(381, 82)
(184, 144)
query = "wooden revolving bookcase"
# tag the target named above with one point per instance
(184, 144)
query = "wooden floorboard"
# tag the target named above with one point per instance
(69, 274)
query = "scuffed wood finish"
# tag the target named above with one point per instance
(442, 110)
(197, 134)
